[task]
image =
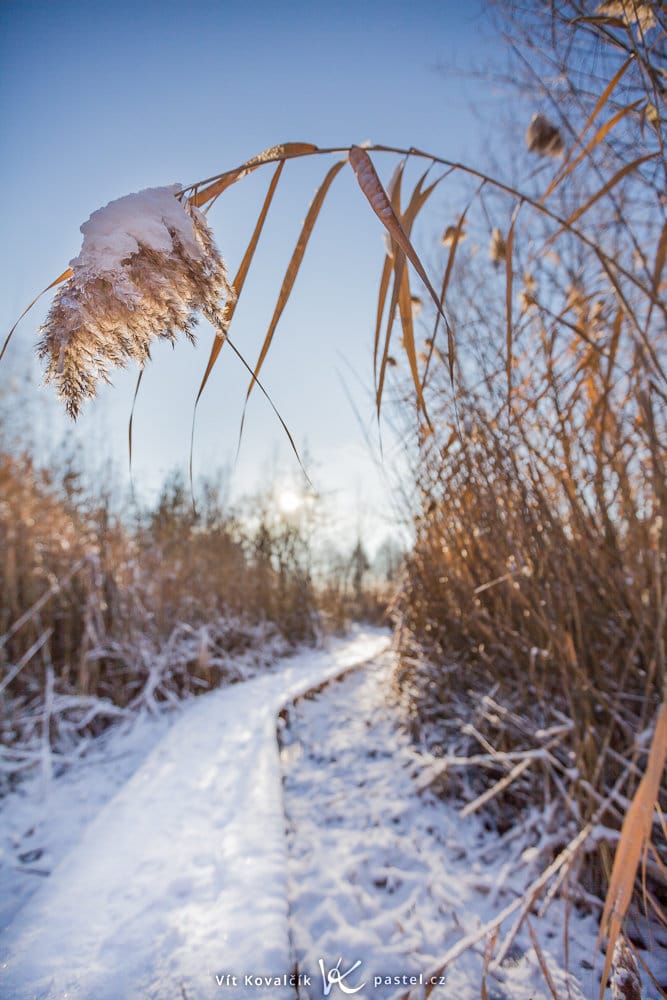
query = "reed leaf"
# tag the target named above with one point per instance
(370, 184)
(387, 268)
(214, 186)
(628, 168)
(230, 305)
(451, 347)
(405, 311)
(401, 296)
(399, 265)
(394, 192)
(635, 834)
(599, 136)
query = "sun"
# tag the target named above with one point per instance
(289, 501)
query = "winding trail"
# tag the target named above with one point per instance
(225, 852)
(182, 875)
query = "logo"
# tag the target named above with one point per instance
(334, 977)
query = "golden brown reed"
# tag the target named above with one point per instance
(91, 329)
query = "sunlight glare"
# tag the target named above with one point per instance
(289, 501)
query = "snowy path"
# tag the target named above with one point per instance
(172, 877)
(182, 875)
(390, 877)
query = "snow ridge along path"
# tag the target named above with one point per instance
(182, 875)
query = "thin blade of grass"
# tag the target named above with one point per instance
(214, 186)
(489, 949)
(635, 832)
(509, 277)
(14, 671)
(499, 786)
(471, 939)
(541, 961)
(54, 588)
(129, 426)
(294, 265)
(62, 277)
(256, 381)
(630, 314)
(613, 345)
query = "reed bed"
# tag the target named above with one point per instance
(103, 613)
(533, 615)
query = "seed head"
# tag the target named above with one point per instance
(449, 235)
(147, 266)
(543, 137)
(498, 248)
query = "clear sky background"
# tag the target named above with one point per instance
(98, 100)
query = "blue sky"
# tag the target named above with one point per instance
(98, 100)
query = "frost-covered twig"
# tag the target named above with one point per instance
(25, 659)
(54, 588)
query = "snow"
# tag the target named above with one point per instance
(184, 869)
(195, 850)
(382, 871)
(42, 821)
(117, 230)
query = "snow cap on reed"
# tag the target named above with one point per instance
(148, 265)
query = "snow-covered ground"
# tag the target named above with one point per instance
(384, 874)
(191, 857)
(183, 873)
